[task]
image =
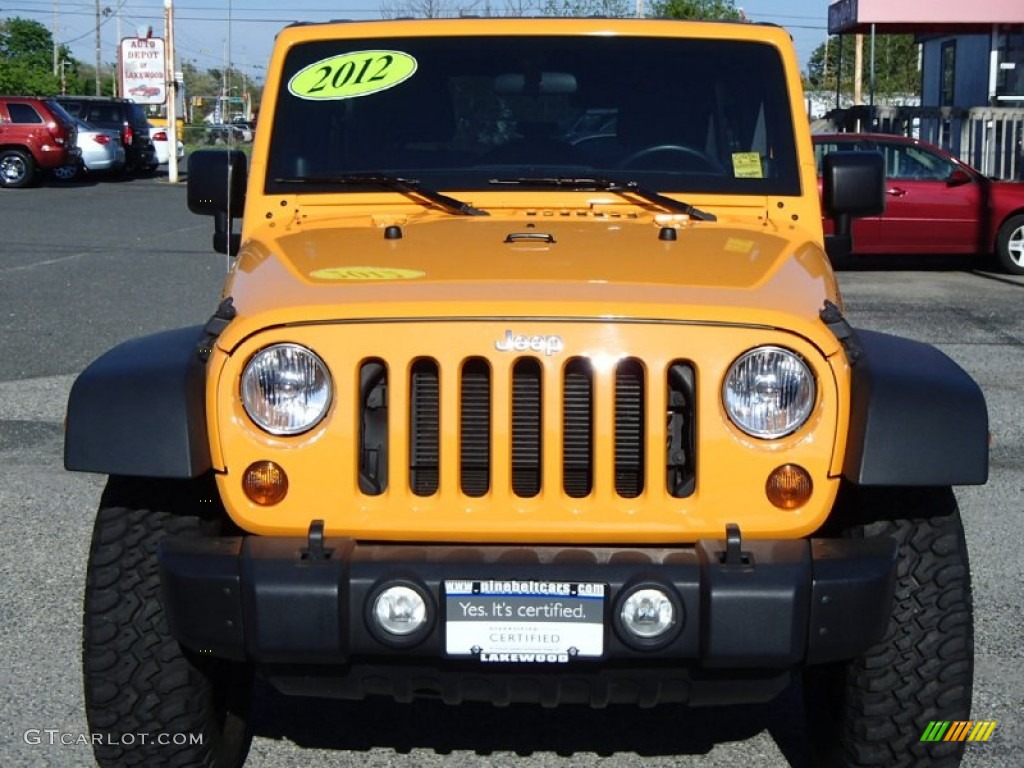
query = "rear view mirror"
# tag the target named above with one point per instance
(958, 177)
(216, 182)
(853, 185)
(534, 84)
(216, 187)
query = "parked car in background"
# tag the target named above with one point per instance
(101, 151)
(159, 136)
(123, 115)
(224, 133)
(35, 134)
(935, 204)
(245, 128)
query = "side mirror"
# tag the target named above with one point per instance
(958, 177)
(853, 185)
(216, 187)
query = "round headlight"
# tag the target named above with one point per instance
(286, 389)
(768, 392)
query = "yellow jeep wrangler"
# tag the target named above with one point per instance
(530, 383)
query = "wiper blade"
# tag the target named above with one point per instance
(611, 185)
(410, 187)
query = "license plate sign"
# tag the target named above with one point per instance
(518, 621)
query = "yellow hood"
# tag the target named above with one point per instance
(564, 265)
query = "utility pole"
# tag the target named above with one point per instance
(172, 95)
(54, 37)
(97, 47)
(117, 77)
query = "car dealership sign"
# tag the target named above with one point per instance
(842, 16)
(143, 77)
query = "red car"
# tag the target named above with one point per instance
(35, 135)
(935, 204)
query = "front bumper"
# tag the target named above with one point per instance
(762, 605)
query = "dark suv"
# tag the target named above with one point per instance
(121, 114)
(35, 134)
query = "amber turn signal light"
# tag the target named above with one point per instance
(789, 486)
(265, 483)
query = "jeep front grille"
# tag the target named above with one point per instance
(524, 396)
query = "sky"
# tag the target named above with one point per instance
(204, 35)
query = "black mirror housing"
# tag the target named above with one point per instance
(853, 184)
(216, 182)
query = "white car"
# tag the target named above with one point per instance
(244, 128)
(158, 134)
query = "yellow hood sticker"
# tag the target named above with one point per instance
(365, 273)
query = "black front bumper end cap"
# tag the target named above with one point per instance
(786, 603)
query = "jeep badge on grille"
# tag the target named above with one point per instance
(512, 342)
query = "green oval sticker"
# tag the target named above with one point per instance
(352, 74)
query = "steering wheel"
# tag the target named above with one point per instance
(689, 152)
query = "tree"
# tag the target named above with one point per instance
(80, 78)
(896, 65)
(26, 58)
(708, 10)
(425, 9)
(580, 8)
(434, 9)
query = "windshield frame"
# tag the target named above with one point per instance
(775, 110)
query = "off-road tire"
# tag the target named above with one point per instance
(17, 168)
(873, 710)
(138, 679)
(1010, 245)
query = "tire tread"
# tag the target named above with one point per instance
(922, 668)
(137, 677)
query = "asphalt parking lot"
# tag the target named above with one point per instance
(84, 266)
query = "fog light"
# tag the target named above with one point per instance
(265, 483)
(400, 610)
(648, 613)
(789, 486)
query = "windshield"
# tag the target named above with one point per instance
(456, 113)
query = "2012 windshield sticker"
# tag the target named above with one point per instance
(351, 75)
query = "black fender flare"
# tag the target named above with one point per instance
(917, 418)
(140, 409)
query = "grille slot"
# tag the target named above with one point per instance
(525, 390)
(475, 427)
(578, 429)
(629, 429)
(424, 428)
(373, 427)
(680, 431)
(526, 427)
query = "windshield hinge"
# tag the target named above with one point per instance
(215, 326)
(833, 318)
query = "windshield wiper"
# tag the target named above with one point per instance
(409, 187)
(610, 185)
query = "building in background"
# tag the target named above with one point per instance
(972, 75)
